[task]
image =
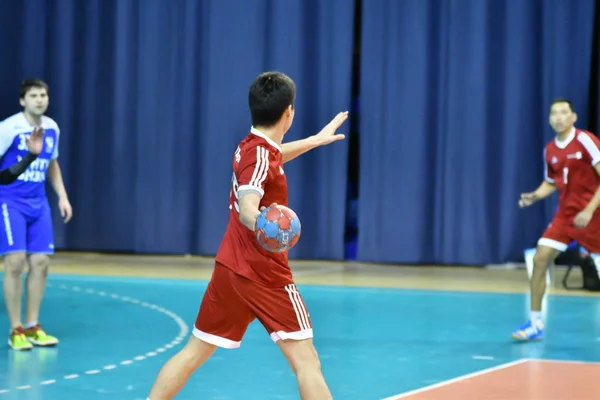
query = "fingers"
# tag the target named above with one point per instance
(263, 207)
(340, 118)
(524, 202)
(581, 222)
(67, 214)
(37, 131)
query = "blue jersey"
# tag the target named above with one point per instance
(30, 186)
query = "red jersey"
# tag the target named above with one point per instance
(257, 167)
(570, 166)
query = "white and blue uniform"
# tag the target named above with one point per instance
(25, 220)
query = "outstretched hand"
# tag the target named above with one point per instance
(35, 141)
(527, 199)
(329, 133)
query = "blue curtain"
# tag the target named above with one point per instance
(594, 105)
(151, 98)
(454, 98)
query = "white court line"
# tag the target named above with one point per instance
(458, 379)
(482, 358)
(183, 331)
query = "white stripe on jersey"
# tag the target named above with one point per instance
(590, 146)
(546, 176)
(261, 169)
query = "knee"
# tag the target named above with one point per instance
(541, 260)
(15, 263)
(196, 352)
(39, 263)
(306, 360)
(312, 364)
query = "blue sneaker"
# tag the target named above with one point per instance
(529, 331)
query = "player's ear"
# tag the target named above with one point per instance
(574, 117)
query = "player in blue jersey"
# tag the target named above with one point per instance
(26, 234)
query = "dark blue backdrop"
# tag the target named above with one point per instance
(151, 97)
(454, 98)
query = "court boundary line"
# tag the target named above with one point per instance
(183, 332)
(459, 379)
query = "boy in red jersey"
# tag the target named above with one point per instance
(249, 282)
(572, 166)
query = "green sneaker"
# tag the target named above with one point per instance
(18, 340)
(37, 336)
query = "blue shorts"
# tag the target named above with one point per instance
(25, 229)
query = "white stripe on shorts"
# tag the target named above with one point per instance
(7, 227)
(298, 305)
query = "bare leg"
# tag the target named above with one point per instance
(543, 257)
(175, 373)
(303, 359)
(13, 286)
(36, 284)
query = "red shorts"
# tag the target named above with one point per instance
(232, 302)
(560, 233)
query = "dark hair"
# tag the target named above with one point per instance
(270, 95)
(31, 83)
(562, 100)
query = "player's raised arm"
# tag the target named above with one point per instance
(327, 135)
(9, 175)
(34, 145)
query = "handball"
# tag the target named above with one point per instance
(277, 228)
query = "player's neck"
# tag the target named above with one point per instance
(32, 119)
(561, 136)
(274, 133)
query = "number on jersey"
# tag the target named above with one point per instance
(565, 175)
(22, 142)
(234, 190)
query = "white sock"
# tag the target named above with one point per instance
(536, 316)
(30, 325)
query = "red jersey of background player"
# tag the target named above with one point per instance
(570, 166)
(258, 167)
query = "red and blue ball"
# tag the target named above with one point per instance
(277, 228)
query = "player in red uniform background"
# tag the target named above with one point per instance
(249, 282)
(572, 166)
